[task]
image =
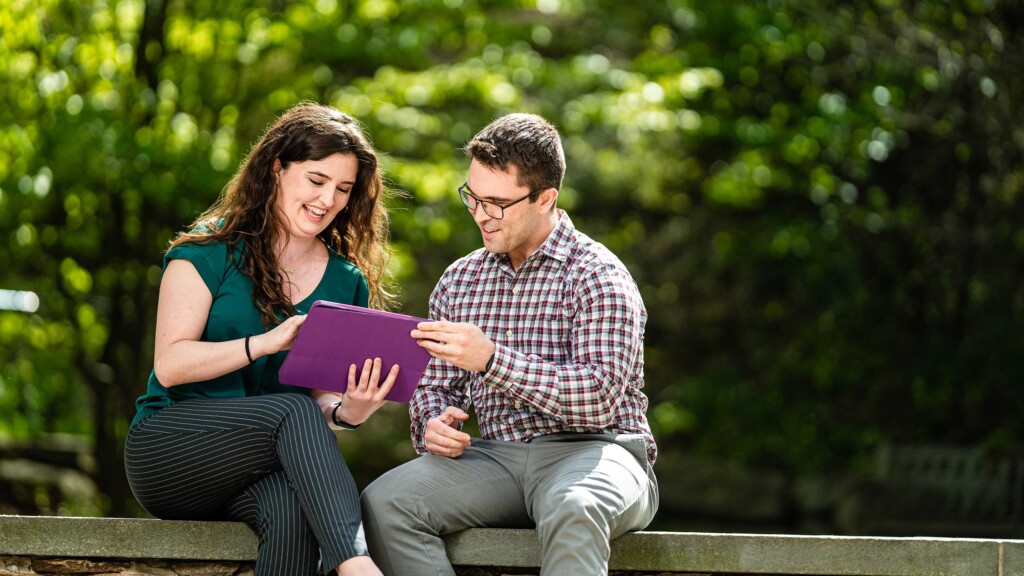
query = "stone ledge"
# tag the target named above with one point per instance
(689, 552)
(137, 538)
(64, 537)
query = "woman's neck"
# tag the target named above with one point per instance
(292, 252)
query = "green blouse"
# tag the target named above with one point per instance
(233, 316)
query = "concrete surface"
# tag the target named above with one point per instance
(643, 551)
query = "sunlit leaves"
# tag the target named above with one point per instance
(789, 185)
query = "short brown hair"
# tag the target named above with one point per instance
(526, 141)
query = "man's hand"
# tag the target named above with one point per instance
(458, 343)
(442, 438)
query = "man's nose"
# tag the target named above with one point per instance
(479, 214)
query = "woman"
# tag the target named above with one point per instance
(216, 436)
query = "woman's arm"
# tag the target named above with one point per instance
(179, 356)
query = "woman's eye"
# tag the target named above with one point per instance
(315, 183)
(341, 191)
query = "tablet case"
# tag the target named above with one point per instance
(335, 336)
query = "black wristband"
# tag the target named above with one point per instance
(247, 354)
(341, 423)
(490, 361)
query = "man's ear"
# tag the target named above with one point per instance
(548, 198)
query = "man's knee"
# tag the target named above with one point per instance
(371, 498)
(384, 493)
(399, 495)
(578, 510)
(582, 503)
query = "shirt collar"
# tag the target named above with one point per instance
(559, 242)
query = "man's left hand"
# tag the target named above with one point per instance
(458, 343)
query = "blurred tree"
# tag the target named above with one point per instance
(818, 200)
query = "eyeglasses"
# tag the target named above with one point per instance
(492, 209)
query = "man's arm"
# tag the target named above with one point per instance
(442, 385)
(605, 350)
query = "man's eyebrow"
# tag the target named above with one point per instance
(487, 198)
(325, 176)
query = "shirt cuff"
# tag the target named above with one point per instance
(418, 444)
(506, 369)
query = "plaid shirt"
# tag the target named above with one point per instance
(569, 327)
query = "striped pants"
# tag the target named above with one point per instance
(269, 461)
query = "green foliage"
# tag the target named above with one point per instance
(817, 199)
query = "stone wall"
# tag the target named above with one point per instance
(111, 546)
(30, 566)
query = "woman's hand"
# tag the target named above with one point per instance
(364, 396)
(280, 338)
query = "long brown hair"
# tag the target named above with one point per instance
(246, 211)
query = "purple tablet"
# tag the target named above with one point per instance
(335, 336)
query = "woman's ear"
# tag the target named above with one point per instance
(275, 171)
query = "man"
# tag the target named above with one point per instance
(542, 331)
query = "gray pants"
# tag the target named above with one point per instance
(578, 490)
(269, 461)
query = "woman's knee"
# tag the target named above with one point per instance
(297, 405)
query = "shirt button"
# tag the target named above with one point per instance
(492, 384)
(508, 333)
(519, 404)
(528, 432)
(515, 290)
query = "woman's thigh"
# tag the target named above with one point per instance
(189, 459)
